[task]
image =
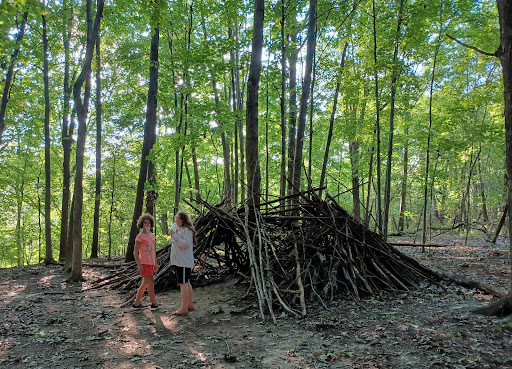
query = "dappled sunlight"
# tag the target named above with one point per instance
(12, 292)
(168, 322)
(45, 281)
(5, 345)
(199, 355)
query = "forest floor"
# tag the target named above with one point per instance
(48, 323)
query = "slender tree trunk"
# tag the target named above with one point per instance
(485, 214)
(237, 108)
(82, 111)
(253, 163)
(282, 183)
(311, 111)
(331, 121)
(68, 261)
(292, 121)
(112, 193)
(310, 52)
(377, 122)
(8, 77)
(149, 141)
(396, 71)
(196, 173)
(354, 164)
(96, 229)
(427, 160)
(405, 173)
(177, 171)
(20, 187)
(67, 134)
(47, 158)
(225, 143)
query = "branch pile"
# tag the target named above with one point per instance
(312, 250)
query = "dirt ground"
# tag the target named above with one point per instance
(48, 323)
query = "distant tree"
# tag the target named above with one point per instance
(82, 111)
(253, 164)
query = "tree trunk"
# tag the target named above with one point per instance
(111, 213)
(67, 135)
(311, 111)
(253, 163)
(485, 214)
(292, 121)
(48, 259)
(405, 173)
(310, 52)
(282, 182)
(331, 122)
(387, 185)
(8, 77)
(504, 52)
(504, 306)
(427, 160)
(96, 228)
(82, 110)
(354, 164)
(149, 141)
(377, 123)
(225, 143)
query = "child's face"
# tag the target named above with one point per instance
(147, 224)
(178, 220)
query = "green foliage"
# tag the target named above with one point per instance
(467, 105)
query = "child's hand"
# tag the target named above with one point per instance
(141, 269)
(155, 268)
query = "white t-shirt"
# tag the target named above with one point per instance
(182, 248)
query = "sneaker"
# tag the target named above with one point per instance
(139, 306)
(154, 307)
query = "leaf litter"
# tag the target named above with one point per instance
(45, 322)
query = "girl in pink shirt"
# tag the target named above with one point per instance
(145, 256)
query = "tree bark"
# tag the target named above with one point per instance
(310, 51)
(67, 135)
(395, 73)
(292, 120)
(331, 121)
(282, 182)
(82, 111)
(505, 55)
(427, 160)
(377, 122)
(48, 259)
(149, 141)
(405, 173)
(96, 227)
(8, 77)
(253, 163)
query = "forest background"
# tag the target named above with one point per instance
(376, 100)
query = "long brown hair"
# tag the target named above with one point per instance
(187, 222)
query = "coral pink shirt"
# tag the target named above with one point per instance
(147, 251)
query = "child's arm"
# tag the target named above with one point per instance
(185, 241)
(136, 255)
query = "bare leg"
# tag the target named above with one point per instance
(140, 291)
(151, 288)
(184, 299)
(190, 301)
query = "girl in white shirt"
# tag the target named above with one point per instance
(182, 257)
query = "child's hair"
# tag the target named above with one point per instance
(143, 217)
(187, 223)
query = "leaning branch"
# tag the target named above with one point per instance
(472, 47)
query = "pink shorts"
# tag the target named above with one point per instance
(147, 270)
